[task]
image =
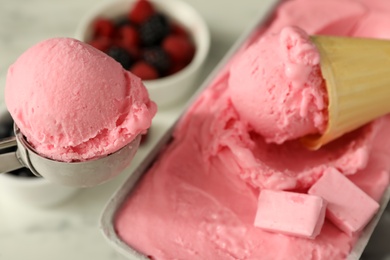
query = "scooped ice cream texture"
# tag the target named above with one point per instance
(199, 199)
(277, 87)
(73, 102)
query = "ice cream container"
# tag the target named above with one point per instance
(178, 87)
(115, 203)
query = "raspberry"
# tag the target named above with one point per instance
(144, 71)
(122, 56)
(179, 48)
(133, 51)
(103, 28)
(154, 30)
(175, 68)
(144, 41)
(101, 43)
(128, 36)
(178, 30)
(157, 58)
(141, 11)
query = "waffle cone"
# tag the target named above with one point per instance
(357, 75)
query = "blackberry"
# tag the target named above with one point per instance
(154, 30)
(22, 172)
(158, 58)
(122, 56)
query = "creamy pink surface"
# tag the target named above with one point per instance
(199, 199)
(73, 102)
(276, 87)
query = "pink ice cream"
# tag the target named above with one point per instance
(199, 199)
(277, 87)
(73, 102)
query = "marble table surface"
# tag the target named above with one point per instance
(70, 230)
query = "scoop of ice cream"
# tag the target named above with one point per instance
(73, 102)
(276, 86)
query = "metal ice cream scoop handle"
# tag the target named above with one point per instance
(9, 161)
(78, 174)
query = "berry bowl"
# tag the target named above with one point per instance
(22, 186)
(164, 42)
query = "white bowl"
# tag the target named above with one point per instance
(174, 88)
(31, 191)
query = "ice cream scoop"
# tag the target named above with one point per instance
(356, 71)
(276, 87)
(77, 174)
(78, 114)
(312, 87)
(73, 102)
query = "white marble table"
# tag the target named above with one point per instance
(70, 231)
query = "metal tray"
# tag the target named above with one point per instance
(118, 198)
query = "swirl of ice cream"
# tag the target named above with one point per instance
(291, 100)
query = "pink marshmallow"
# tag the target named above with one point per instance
(349, 208)
(290, 213)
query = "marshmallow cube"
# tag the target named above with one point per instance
(349, 208)
(290, 213)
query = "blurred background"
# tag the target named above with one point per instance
(70, 230)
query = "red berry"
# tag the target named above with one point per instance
(179, 48)
(103, 28)
(176, 67)
(178, 30)
(144, 71)
(134, 51)
(141, 11)
(128, 36)
(101, 43)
